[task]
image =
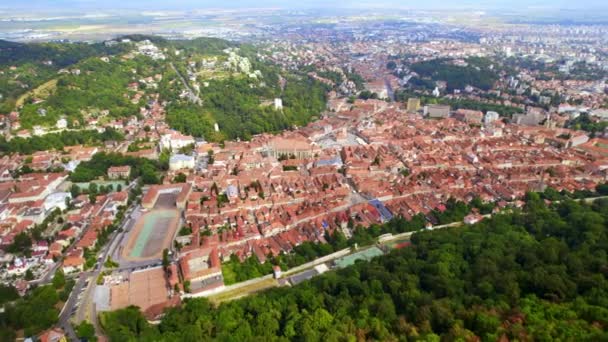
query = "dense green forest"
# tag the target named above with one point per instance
(100, 86)
(25, 66)
(211, 46)
(57, 141)
(533, 274)
(21, 79)
(235, 104)
(92, 87)
(477, 73)
(61, 54)
(234, 100)
(35, 312)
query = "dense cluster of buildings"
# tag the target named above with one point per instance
(268, 195)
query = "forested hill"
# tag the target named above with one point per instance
(202, 81)
(237, 88)
(24, 67)
(536, 274)
(61, 54)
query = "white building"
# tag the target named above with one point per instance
(174, 141)
(39, 130)
(71, 165)
(436, 92)
(19, 267)
(600, 113)
(437, 111)
(62, 123)
(181, 161)
(278, 104)
(232, 191)
(56, 200)
(490, 117)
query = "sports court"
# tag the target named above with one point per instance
(153, 231)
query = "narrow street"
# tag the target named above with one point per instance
(80, 303)
(191, 94)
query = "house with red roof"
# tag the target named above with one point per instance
(202, 269)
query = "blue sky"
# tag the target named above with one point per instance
(186, 4)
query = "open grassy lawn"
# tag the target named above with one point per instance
(244, 291)
(43, 91)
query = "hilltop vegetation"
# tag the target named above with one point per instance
(26, 66)
(61, 54)
(234, 83)
(584, 122)
(478, 73)
(100, 86)
(235, 100)
(235, 106)
(536, 274)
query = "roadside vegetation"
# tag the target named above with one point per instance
(97, 167)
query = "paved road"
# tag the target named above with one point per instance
(66, 313)
(48, 276)
(88, 291)
(389, 89)
(191, 94)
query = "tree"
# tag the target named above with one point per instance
(86, 331)
(166, 260)
(233, 103)
(33, 313)
(366, 95)
(179, 178)
(56, 141)
(59, 279)
(126, 325)
(98, 165)
(477, 73)
(93, 188)
(7, 293)
(602, 189)
(22, 243)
